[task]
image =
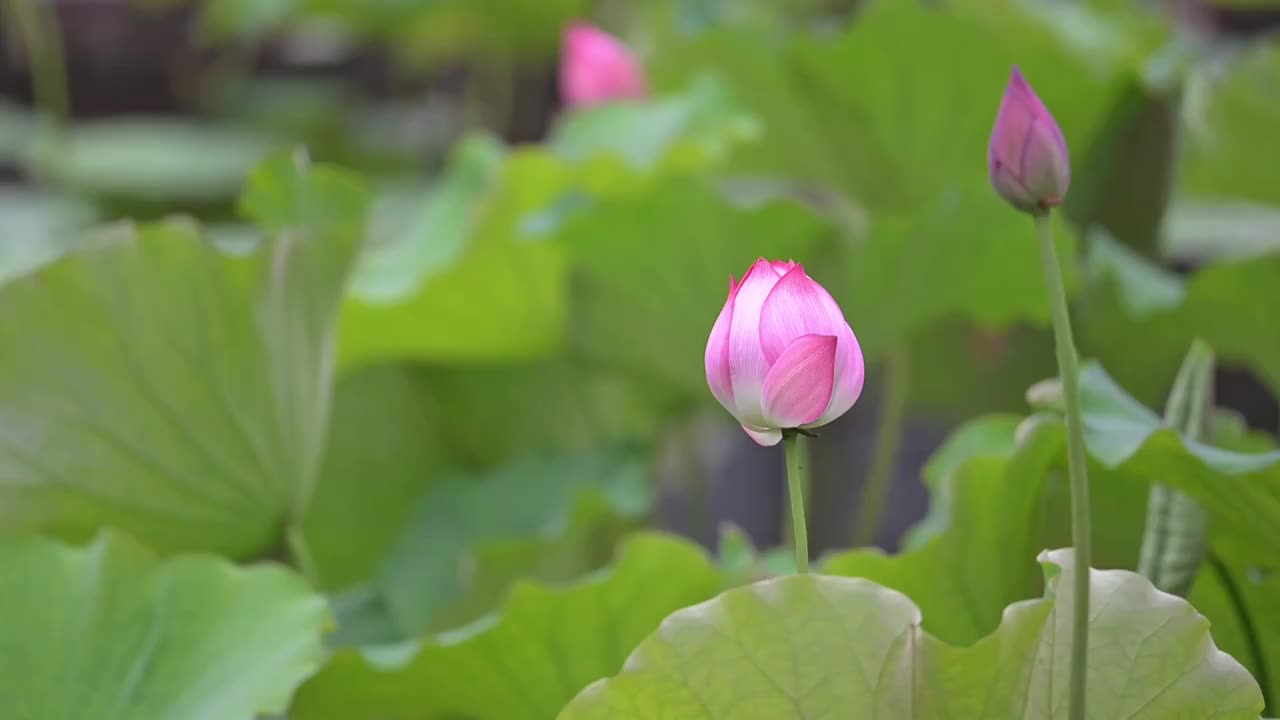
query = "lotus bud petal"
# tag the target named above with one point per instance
(596, 67)
(781, 355)
(1027, 158)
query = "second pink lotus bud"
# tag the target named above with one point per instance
(1027, 158)
(596, 67)
(781, 355)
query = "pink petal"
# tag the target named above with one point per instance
(799, 385)
(717, 356)
(747, 365)
(1013, 123)
(850, 371)
(1046, 163)
(797, 306)
(765, 438)
(596, 67)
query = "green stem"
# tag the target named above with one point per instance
(893, 412)
(797, 481)
(37, 25)
(1069, 370)
(1250, 631)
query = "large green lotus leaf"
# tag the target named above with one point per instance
(967, 257)
(565, 550)
(156, 159)
(742, 562)
(416, 232)
(529, 659)
(1240, 491)
(503, 30)
(17, 128)
(895, 114)
(468, 271)
(998, 495)
(420, 33)
(973, 554)
(992, 435)
(1238, 482)
(491, 414)
(154, 383)
(655, 272)
(382, 452)
(1197, 229)
(1139, 319)
(426, 572)
(682, 132)
(108, 630)
(1230, 106)
(37, 228)
(454, 279)
(899, 107)
(822, 646)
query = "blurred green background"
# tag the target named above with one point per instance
(343, 284)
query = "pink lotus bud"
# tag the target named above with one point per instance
(596, 67)
(1027, 158)
(781, 355)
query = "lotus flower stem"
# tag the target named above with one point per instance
(1250, 630)
(797, 481)
(1069, 370)
(893, 407)
(38, 29)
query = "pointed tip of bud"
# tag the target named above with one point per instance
(577, 32)
(1027, 158)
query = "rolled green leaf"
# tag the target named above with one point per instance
(1173, 544)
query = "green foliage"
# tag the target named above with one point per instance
(640, 285)
(38, 227)
(1240, 492)
(1237, 599)
(531, 658)
(996, 494)
(156, 160)
(803, 645)
(448, 389)
(1140, 327)
(110, 629)
(178, 392)
(842, 115)
(371, 480)
(1227, 105)
(553, 513)
(973, 556)
(456, 281)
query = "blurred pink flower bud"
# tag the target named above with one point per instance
(781, 354)
(596, 67)
(1027, 158)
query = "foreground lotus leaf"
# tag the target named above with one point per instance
(110, 631)
(815, 646)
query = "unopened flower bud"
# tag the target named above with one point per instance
(1027, 159)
